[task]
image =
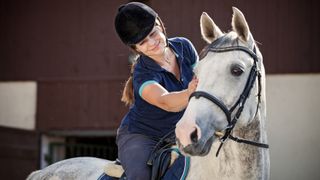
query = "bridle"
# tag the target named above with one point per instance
(239, 105)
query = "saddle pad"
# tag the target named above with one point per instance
(179, 169)
(106, 177)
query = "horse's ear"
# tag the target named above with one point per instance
(209, 30)
(240, 25)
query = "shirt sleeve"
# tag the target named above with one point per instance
(141, 80)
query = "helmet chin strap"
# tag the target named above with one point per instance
(158, 20)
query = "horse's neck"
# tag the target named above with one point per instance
(235, 161)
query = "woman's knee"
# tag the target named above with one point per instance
(134, 151)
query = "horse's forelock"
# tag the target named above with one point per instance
(229, 39)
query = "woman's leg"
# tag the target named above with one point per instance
(134, 151)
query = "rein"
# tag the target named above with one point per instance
(239, 105)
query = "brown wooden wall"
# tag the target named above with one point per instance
(19, 153)
(287, 29)
(42, 40)
(71, 49)
(79, 105)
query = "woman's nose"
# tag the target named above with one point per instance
(151, 41)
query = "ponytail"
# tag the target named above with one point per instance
(127, 94)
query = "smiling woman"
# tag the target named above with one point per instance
(158, 89)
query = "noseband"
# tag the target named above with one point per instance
(239, 105)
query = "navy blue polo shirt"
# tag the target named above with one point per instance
(150, 120)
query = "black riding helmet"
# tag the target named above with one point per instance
(134, 21)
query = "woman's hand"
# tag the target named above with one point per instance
(176, 101)
(193, 85)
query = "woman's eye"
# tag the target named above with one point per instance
(236, 70)
(153, 34)
(141, 43)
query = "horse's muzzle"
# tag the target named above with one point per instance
(199, 148)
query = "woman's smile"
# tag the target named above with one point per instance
(155, 47)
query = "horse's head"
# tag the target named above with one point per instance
(223, 73)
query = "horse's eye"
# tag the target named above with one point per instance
(236, 70)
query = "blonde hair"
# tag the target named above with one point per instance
(127, 93)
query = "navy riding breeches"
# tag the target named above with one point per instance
(133, 152)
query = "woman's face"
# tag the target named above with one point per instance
(154, 44)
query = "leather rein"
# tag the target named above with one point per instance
(239, 105)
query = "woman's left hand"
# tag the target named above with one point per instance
(193, 85)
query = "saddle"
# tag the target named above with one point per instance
(161, 159)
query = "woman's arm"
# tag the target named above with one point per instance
(157, 95)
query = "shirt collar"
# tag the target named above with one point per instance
(149, 63)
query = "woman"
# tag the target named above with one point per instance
(158, 89)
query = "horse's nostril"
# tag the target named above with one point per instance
(194, 136)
